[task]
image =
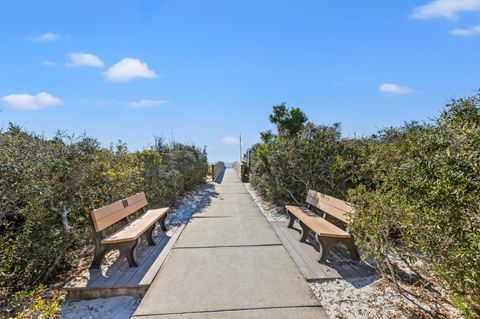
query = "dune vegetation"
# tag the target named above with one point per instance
(415, 189)
(48, 187)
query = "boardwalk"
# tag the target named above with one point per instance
(229, 263)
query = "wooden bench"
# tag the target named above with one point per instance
(125, 239)
(326, 233)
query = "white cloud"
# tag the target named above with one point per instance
(46, 37)
(85, 59)
(49, 63)
(466, 32)
(445, 8)
(230, 140)
(30, 102)
(146, 103)
(394, 88)
(129, 69)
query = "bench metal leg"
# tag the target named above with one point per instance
(325, 244)
(291, 219)
(97, 258)
(149, 235)
(128, 249)
(162, 223)
(353, 249)
(305, 230)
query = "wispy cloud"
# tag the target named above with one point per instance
(30, 102)
(465, 32)
(49, 63)
(394, 88)
(445, 8)
(46, 37)
(230, 140)
(84, 59)
(129, 69)
(146, 103)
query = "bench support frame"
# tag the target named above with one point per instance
(126, 248)
(291, 219)
(325, 243)
(161, 221)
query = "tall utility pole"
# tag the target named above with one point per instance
(240, 148)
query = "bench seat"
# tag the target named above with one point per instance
(127, 238)
(327, 234)
(136, 228)
(317, 224)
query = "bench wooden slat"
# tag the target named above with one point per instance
(108, 215)
(136, 228)
(319, 225)
(330, 205)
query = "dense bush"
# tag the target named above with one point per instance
(416, 189)
(285, 168)
(428, 196)
(48, 188)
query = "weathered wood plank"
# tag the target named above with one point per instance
(305, 256)
(333, 206)
(297, 258)
(119, 278)
(319, 225)
(136, 228)
(108, 215)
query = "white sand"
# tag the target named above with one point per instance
(272, 212)
(121, 307)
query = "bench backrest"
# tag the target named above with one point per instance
(333, 206)
(108, 215)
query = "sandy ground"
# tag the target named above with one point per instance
(106, 308)
(358, 298)
(124, 306)
(271, 211)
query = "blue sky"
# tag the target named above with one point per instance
(204, 71)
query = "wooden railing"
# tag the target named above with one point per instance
(217, 169)
(241, 170)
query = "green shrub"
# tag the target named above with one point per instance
(428, 198)
(285, 168)
(415, 189)
(48, 187)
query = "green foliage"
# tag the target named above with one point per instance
(284, 169)
(189, 161)
(49, 187)
(415, 190)
(427, 199)
(289, 121)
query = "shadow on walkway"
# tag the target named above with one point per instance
(192, 204)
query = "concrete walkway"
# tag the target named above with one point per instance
(229, 263)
